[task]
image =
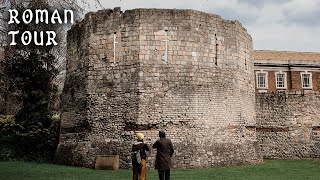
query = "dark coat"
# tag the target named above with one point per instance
(142, 147)
(164, 153)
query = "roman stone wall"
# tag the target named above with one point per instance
(288, 124)
(75, 124)
(212, 103)
(203, 96)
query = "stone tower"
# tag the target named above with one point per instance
(185, 71)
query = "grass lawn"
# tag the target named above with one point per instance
(270, 169)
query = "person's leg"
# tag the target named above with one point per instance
(135, 170)
(143, 171)
(167, 174)
(161, 174)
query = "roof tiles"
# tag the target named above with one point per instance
(285, 55)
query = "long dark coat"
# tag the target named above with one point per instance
(164, 153)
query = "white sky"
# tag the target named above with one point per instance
(284, 25)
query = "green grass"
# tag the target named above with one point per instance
(270, 169)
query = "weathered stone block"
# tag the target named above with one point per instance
(107, 162)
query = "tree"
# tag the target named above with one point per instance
(9, 106)
(29, 71)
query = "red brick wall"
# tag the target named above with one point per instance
(293, 81)
(316, 81)
(289, 78)
(271, 81)
(296, 80)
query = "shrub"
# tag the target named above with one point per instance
(34, 143)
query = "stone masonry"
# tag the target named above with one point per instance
(288, 117)
(288, 125)
(185, 71)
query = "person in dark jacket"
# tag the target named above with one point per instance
(139, 165)
(163, 158)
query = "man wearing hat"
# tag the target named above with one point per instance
(139, 156)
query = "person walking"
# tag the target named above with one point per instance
(163, 158)
(139, 157)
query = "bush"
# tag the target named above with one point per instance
(35, 143)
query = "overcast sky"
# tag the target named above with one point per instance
(284, 25)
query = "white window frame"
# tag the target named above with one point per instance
(284, 79)
(266, 79)
(310, 79)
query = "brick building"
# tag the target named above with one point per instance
(286, 71)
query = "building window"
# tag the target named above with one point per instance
(281, 80)
(114, 46)
(306, 80)
(165, 56)
(262, 80)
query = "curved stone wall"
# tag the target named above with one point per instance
(185, 71)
